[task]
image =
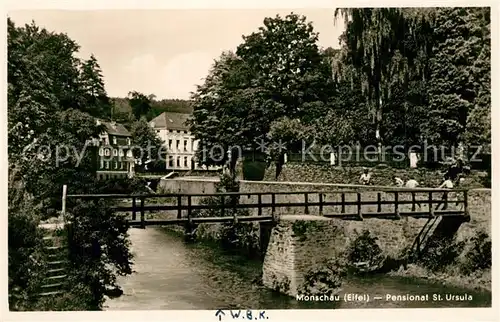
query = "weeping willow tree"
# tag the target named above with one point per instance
(388, 47)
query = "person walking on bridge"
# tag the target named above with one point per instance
(447, 184)
(413, 184)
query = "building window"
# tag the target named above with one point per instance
(178, 161)
(170, 144)
(185, 162)
(157, 131)
(107, 152)
(121, 152)
(170, 161)
(128, 141)
(121, 165)
(115, 152)
(102, 163)
(107, 164)
(177, 143)
(185, 145)
(115, 163)
(101, 152)
(114, 139)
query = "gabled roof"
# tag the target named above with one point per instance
(114, 128)
(171, 121)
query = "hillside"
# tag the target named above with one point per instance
(122, 108)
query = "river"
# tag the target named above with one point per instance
(172, 275)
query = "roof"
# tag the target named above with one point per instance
(114, 128)
(171, 121)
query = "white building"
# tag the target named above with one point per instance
(181, 145)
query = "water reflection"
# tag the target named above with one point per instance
(173, 275)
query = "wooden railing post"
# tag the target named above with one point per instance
(143, 223)
(259, 204)
(134, 206)
(64, 194)
(343, 203)
(466, 204)
(222, 205)
(360, 214)
(306, 201)
(431, 207)
(396, 204)
(273, 202)
(413, 201)
(320, 199)
(189, 210)
(379, 202)
(179, 205)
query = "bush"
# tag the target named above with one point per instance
(364, 254)
(99, 248)
(441, 253)
(479, 256)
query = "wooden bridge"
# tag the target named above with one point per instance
(343, 204)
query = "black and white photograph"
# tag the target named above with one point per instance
(248, 160)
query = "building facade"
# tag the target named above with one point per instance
(113, 150)
(181, 145)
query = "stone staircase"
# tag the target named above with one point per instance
(56, 252)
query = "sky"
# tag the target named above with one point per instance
(164, 52)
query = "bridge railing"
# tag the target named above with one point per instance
(346, 204)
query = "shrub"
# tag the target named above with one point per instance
(364, 254)
(441, 253)
(479, 255)
(99, 248)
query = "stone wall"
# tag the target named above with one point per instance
(298, 172)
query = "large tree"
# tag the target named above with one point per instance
(49, 97)
(140, 103)
(148, 144)
(389, 49)
(459, 88)
(277, 71)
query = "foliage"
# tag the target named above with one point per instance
(140, 103)
(277, 71)
(148, 146)
(441, 253)
(364, 254)
(53, 98)
(460, 76)
(479, 256)
(99, 248)
(26, 257)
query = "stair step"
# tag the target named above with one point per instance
(55, 270)
(56, 277)
(52, 285)
(51, 293)
(56, 262)
(56, 256)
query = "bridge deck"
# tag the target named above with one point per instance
(347, 205)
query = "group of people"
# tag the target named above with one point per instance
(366, 179)
(454, 175)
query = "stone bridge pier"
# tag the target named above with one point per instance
(300, 243)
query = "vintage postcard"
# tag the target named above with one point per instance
(253, 163)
